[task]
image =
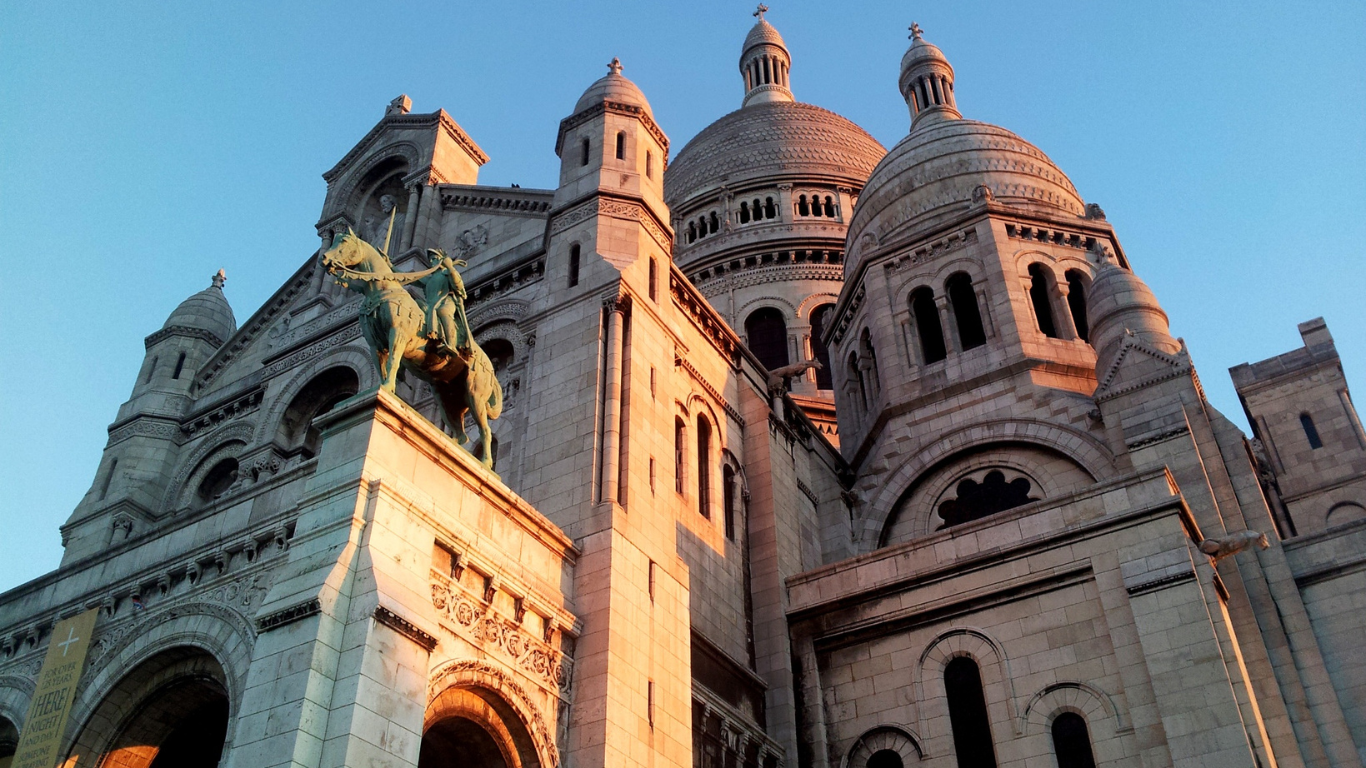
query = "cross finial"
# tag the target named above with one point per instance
(760, 11)
(916, 31)
(219, 278)
(615, 66)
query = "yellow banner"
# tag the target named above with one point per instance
(46, 722)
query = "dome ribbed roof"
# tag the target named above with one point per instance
(768, 140)
(762, 33)
(931, 175)
(613, 87)
(207, 310)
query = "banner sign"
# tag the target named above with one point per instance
(46, 721)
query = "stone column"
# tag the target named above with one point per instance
(1066, 325)
(941, 303)
(410, 217)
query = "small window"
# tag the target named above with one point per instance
(573, 265)
(830, 207)
(885, 758)
(692, 231)
(179, 366)
(770, 210)
(927, 325)
(654, 278)
(744, 213)
(1039, 297)
(583, 153)
(649, 164)
(1076, 304)
(802, 208)
(855, 373)
(966, 314)
(713, 223)
(968, 714)
(1072, 742)
(621, 145)
(217, 481)
(680, 435)
(728, 499)
(1310, 431)
(704, 466)
(820, 317)
(151, 369)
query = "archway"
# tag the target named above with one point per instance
(9, 741)
(170, 711)
(473, 727)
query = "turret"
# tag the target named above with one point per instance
(1120, 305)
(143, 446)
(926, 81)
(764, 64)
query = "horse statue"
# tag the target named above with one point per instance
(429, 338)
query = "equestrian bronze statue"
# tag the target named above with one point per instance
(429, 337)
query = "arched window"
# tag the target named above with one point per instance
(179, 366)
(1072, 742)
(1310, 431)
(654, 278)
(583, 153)
(704, 466)
(621, 145)
(926, 316)
(802, 208)
(829, 207)
(500, 353)
(680, 435)
(770, 210)
(1076, 303)
(744, 213)
(820, 316)
(296, 433)
(649, 164)
(574, 265)
(713, 223)
(217, 481)
(885, 758)
(855, 374)
(869, 354)
(728, 499)
(151, 369)
(966, 313)
(815, 205)
(767, 335)
(968, 714)
(692, 231)
(109, 477)
(1039, 296)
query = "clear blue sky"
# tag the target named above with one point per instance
(144, 146)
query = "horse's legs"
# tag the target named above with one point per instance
(480, 408)
(393, 360)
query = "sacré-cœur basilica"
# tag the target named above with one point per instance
(806, 452)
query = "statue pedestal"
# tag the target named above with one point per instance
(420, 595)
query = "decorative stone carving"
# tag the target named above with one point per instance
(471, 240)
(1234, 543)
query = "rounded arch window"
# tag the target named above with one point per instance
(500, 353)
(217, 481)
(1072, 742)
(767, 335)
(885, 758)
(820, 321)
(296, 433)
(984, 493)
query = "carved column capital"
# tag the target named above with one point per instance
(617, 302)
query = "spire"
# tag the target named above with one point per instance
(219, 279)
(764, 63)
(927, 80)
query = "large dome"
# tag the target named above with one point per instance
(933, 174)
(767, 141)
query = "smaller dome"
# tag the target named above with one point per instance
(615, 88)
(207, 310)
(922, 51)
(1120, 303)
(762, 33)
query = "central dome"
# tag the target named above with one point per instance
(770, 141)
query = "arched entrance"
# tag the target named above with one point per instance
(171, 710)
(475, 728)
(9, 741)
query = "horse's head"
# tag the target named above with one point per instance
(351, 252)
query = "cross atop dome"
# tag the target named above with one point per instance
(219, 279)
(760, 11)
(614, 66)
(916, 31)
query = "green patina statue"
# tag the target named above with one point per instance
(430, 338)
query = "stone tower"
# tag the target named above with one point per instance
(760, 201)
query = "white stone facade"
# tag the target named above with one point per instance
(1002, 527)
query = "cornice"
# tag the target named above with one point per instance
(182, 330)
(630, 110)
